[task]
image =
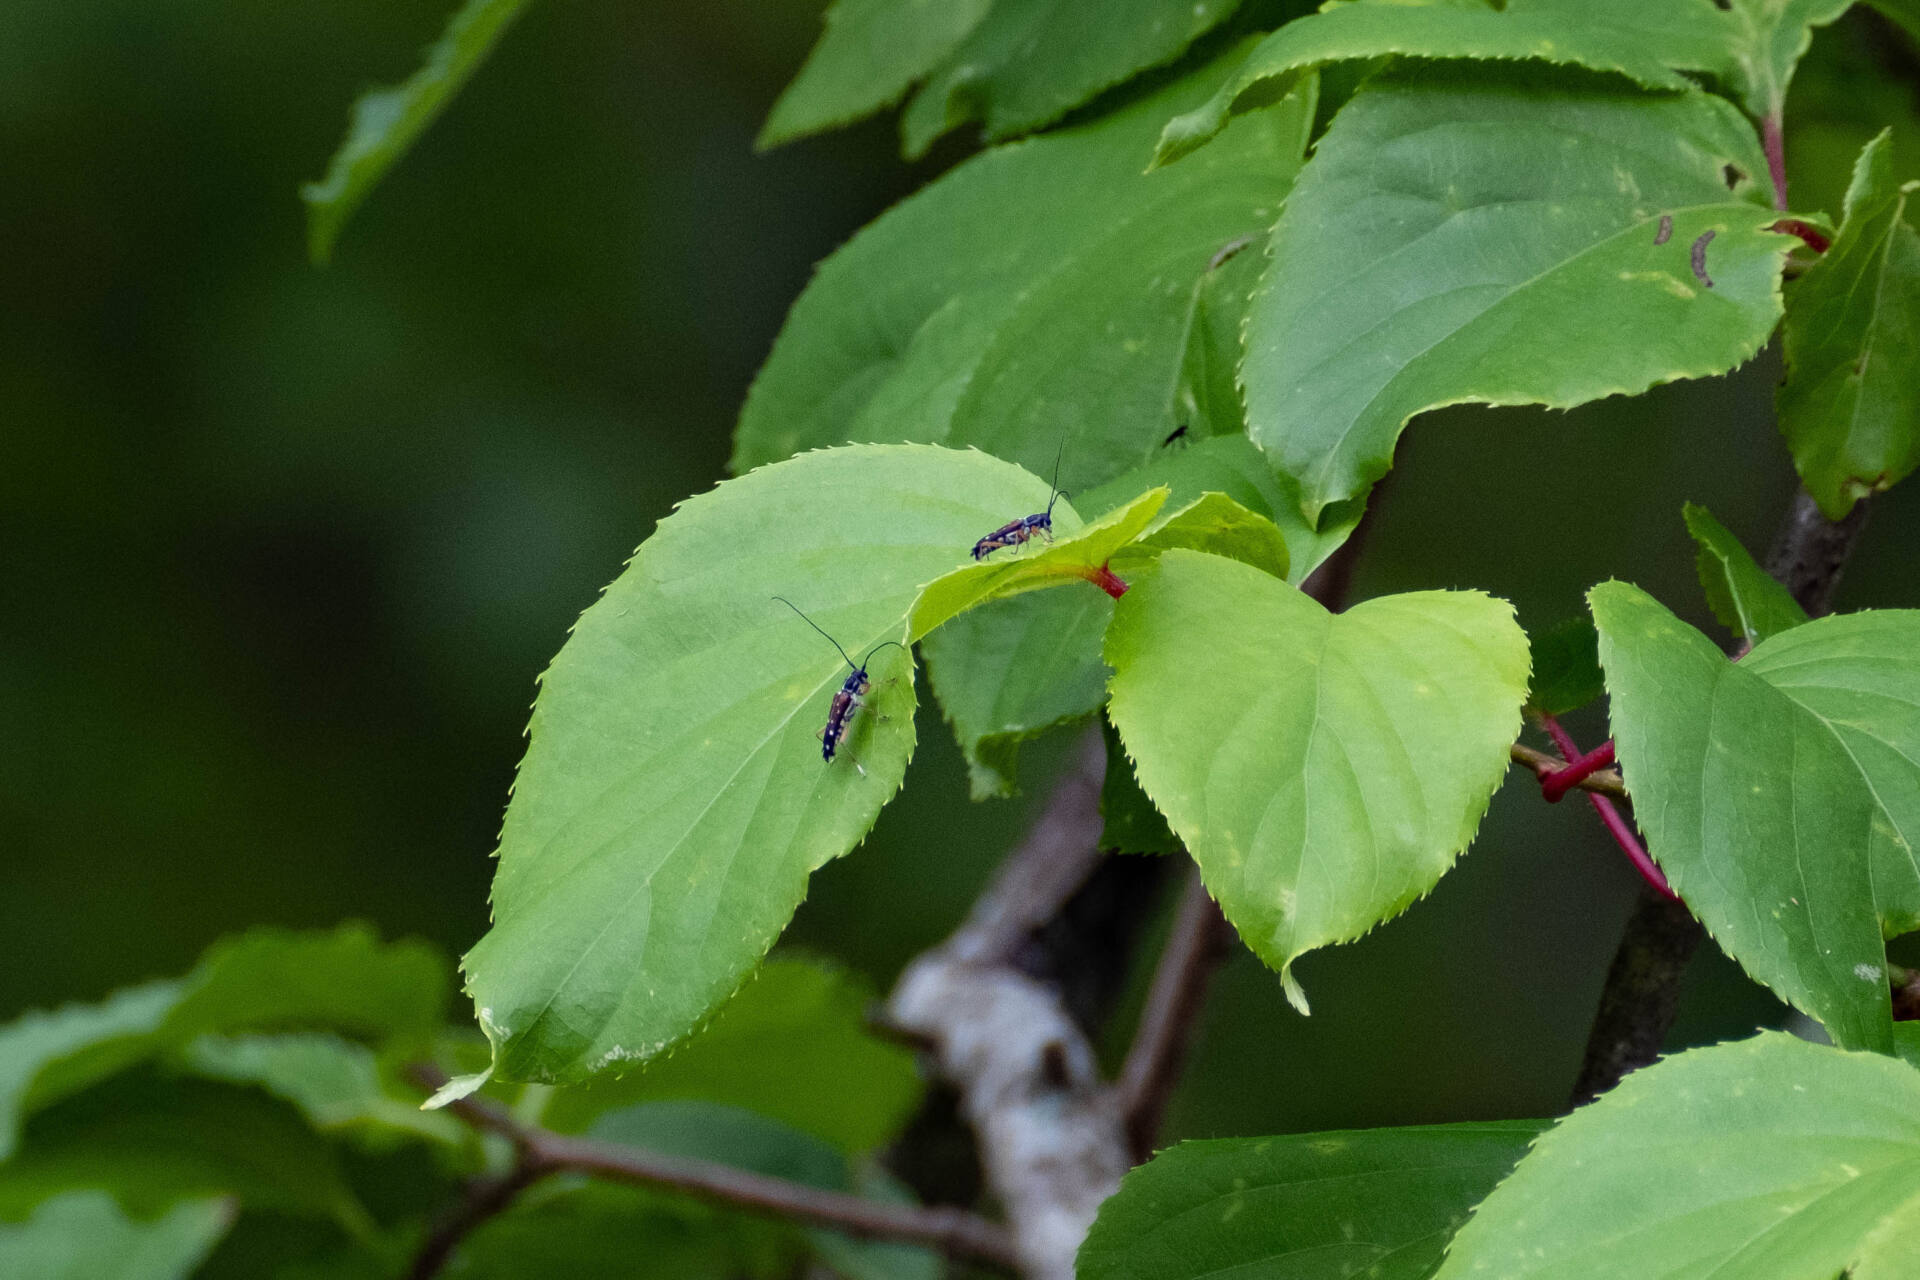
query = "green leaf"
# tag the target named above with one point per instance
(1566, 667)
(1780, 794)
(793, 1046)
(673, 800)
(933, 324)
(386, 122)
(1373, 1202)
(345, 979)
(1771, 37)
(1852, 339)
(1904, 13)
(1748, 602)
(1037, 564)
(1013, 669)
(83, 1235)
(567, 1231)
(1129, 822)
(336, 1083)
(1233, 466)
(870, 54)
(1599, 38)
(1217, 525)
(153, 1140)
(1769, 1159)
(1031, 61)
(1435, 252)
(1323, 769)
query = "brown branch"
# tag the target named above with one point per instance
(1049, 1131)
(1642, 991)
(955, 1232)
(1199, 940)
(484, 1197)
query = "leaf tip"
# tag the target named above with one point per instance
(1291, 985)
(457, 1088)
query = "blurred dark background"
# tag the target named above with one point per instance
(284, 549)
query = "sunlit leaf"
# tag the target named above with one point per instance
(1852, 340)
(386, 122)
(673, 800)
(1323, 769)
(1770, 1159)
(1378, 1203)
(1469, 234)
(1780, 793)
(870, 54)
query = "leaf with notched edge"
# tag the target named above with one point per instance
(1323, 769)
(1780, 794)
(1852, 340)
(1495, 236)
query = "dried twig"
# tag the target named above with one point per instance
(1199, 940)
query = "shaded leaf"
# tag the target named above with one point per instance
(792, 1045)
(1324, 770)
(1769, 1159)
(1433, 254)
(934, 324)
(345, 979)
(1852, 339)
(1217, 525)
(84, 1235)
(871, 52)
(1015, 668)
(1374, 1202)
(1748, 602)
(673, 800)
(336, 1083)
(1031, 61)
(386, 122)
(1780, 794)
(1599, 37)
(1566, 667)
(1128, 821)
(152, 1141)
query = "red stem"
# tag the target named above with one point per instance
(1103, 578)
(1616, 825)
(1814, 237)
(1556, 784)
(1775, 143)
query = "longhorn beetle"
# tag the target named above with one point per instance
(851, 695)
(1015, 532)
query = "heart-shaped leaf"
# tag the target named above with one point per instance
(1323, 769)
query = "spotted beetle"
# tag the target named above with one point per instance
(851, 695)
(1015, 532)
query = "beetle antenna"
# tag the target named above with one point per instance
(817, 627)
(877, 648)
(1055, 486)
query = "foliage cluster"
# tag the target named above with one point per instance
(1216, 260)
